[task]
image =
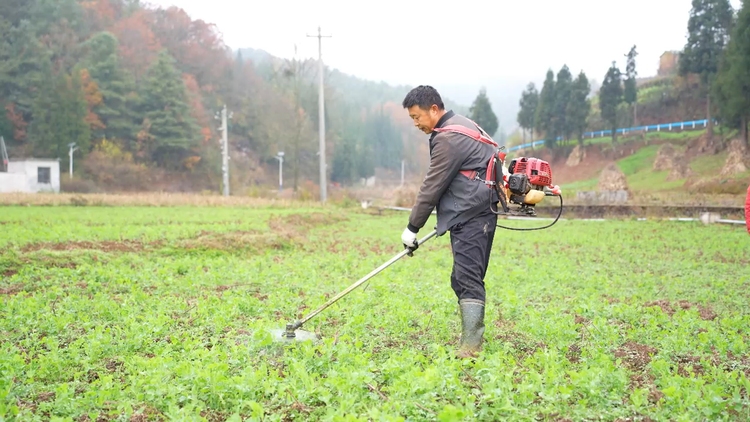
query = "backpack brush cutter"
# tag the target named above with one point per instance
(527, 182)
(524, 185)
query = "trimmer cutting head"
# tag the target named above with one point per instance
(291, 334)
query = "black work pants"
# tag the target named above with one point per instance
(471, 243)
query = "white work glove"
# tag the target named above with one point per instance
(409, 239)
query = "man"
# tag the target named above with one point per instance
(463, 206)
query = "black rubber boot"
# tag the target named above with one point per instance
(472, 328)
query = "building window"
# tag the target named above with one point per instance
(43, 175)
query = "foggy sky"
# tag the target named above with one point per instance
(459, 46)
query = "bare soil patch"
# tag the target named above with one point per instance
(738, 159)
(612, 178)
(12, 289)
(703, 145)
(105, 246)
(635, 356)
(520, 342)
(646, 381)
(665, 306)
(574, 353)
(668, 308)
(665, 157)
(304, 221)
(687, 363)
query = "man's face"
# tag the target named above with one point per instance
(424, 120)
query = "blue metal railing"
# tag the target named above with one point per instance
(693, 124)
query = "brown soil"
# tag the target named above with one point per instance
(738, 159)
(705, 312)
(668, 308)
(646, 381)
(574, 353)
(663, 304)
(12, 289)
(105, 246)
(304, 221)
(285, 230)
(149, 413)
(703, 146)
(576, 156)
(680, 169)
(665, 158)
(635, 356)
(520, 342)
(213, 415)
(113, 365)
(687, 363)
(596, 157)
(591, 165)
(46, 396)
(581, 320)
(612, 178)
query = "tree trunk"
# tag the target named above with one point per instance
(532, 139)
(709, 122)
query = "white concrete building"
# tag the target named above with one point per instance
(31, 175)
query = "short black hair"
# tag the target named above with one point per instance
(423, 96)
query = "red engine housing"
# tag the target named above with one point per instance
(538, 171)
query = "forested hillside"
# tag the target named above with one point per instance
(707, 79)
(139, 89)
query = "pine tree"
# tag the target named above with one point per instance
(165, 107)
(630, 94)
(42, 130)
(481, 113)
(527, 114)
(709, 26)
(115, 86)
(75, 127)
(16, 11)
(60, 112)
(610, 97)
(385, 140)
(22, 70)
(345, 160)
(545, 110)
(563, 88)
(732, 87)
(579, 106)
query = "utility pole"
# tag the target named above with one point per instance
(321, 117)
(72, 147)
(225, 149)
(4, 153)
(402, 172)
(280, 157)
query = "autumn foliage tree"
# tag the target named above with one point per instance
(164, 106)
(137, 88)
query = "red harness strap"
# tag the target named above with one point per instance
(463, 130)
(477, 136)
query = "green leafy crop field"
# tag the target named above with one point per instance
(163, 313)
